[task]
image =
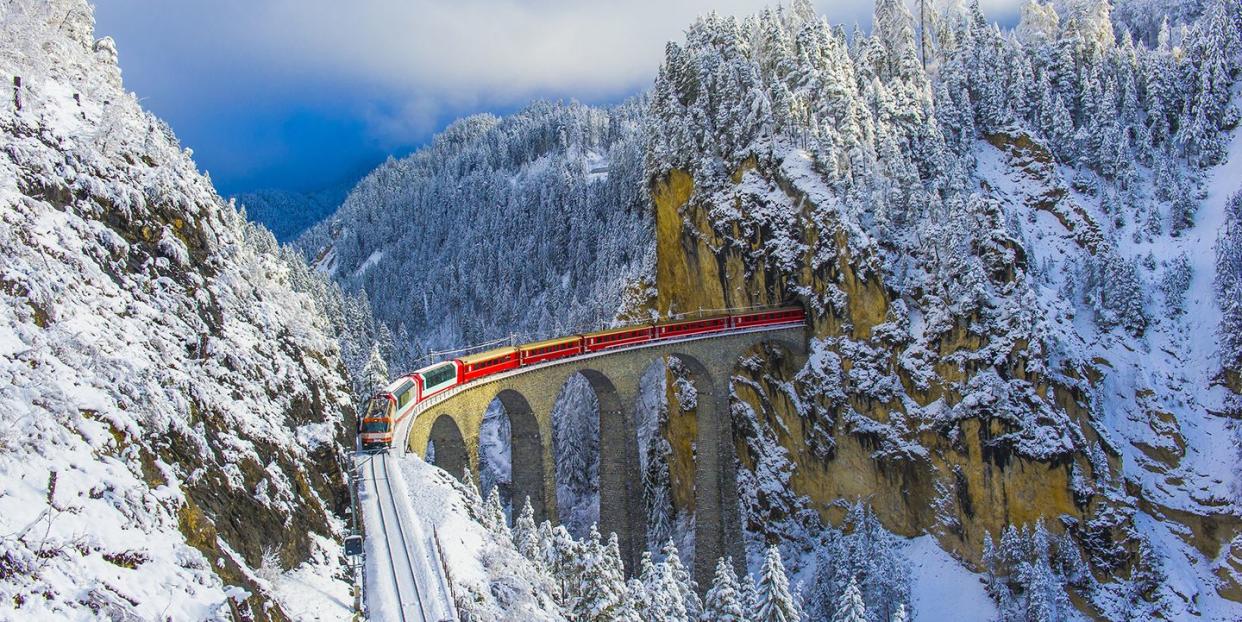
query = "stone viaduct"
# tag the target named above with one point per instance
(453, 421)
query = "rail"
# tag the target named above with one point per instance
(384, 527)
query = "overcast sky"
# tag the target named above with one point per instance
(303, 94)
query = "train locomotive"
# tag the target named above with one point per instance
(392, 406)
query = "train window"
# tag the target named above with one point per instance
(439, 375)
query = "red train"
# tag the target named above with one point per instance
(391, 406)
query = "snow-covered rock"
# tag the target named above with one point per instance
(171, 411)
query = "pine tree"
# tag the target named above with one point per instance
(774, 602)
(600, 593)
(723, 601)
(495, 515)
(749, 595)
(638, 600)
(558, 552)
(666, 601)
(547, 543)
(474, 500)
(686, 587)
(900, 614)
(526, 534)
(1229, 284)
(657, 492)
(850, 608)
(375, 372)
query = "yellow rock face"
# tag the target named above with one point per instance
(962, 488)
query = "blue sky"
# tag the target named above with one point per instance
(306, 94)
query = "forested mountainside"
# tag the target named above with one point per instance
(287, 213)
(1019, 344)
(534, 224)
(1020, 249)
(173, 401)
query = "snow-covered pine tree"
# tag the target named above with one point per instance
(863, 550)
(495, 516)
(474, 500)
(749, 595)
(1175, 282)
(657, 492)
(1116, 292)
(667, 603)
(900, 614)
(850, 608)
(564, 553)
(600, 592)
(1229, 284)
(637, 599)
(526, 533)
(773, 600)
(1213, 51)
(686, 586)
(374, 373)
(723, 602)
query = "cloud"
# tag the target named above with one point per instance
(415, 56)
(403, 68)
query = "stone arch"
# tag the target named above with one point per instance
(526, 455)
(621, 509)
(450, 447)
(717, 525)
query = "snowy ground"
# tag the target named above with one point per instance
(488, 576)
(942, 589)
(162, 387)
(310, 592)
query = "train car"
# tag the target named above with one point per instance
(790, 315)
(698, 326)
(387, 409)
(436, 378)
(486, 363)
(617, 337)
(549, 350)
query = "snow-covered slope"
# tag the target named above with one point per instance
(170, 409)
(533, 224)
(286, 213)
(490, 579)
(1008, 261)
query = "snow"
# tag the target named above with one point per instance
(371, 260)
(488, 576)
(152, 361)
(312, 591)
(943, 589)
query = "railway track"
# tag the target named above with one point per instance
(401, 564)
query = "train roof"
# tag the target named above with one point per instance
(687, 319)
(483, 356)
(771, 310)
(430, 367)
(611, 331)
(548, 342)
(397, 384)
